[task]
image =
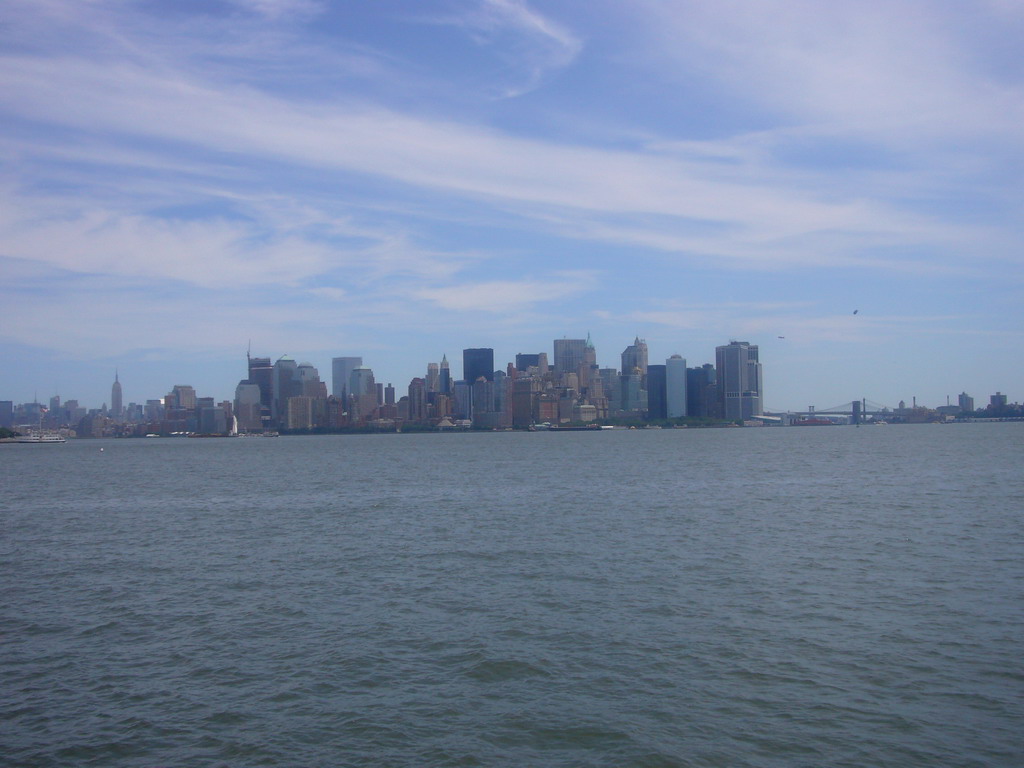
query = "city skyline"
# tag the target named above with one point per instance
(836, 184)
(733, 357)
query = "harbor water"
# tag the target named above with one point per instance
(723, 597)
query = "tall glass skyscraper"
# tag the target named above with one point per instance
(476, 363)
(341, 372)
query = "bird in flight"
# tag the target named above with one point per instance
(856, 311)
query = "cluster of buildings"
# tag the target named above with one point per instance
(567, 387)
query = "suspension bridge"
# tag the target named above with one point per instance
(855, 410)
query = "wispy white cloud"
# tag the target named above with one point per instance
(896, 72)
(458, 159)
(282, 9)
(503, 296)
(530, 43)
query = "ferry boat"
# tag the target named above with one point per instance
(41, 437)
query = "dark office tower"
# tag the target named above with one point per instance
(477, 363)
(389, 394)
(739, 380)
(633, 397)
(500, 391)
(462, 400)
(635, 356)
(116, 407)
(433, 377)
(483, 401)
(444, 377)
(526, 361)
(701, 396)
(6, 413)
(261, 373)
(657, 392)
(568, 356)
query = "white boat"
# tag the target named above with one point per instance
(41, 437)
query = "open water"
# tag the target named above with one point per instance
(741, 597)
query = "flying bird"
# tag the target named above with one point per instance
(856, 311)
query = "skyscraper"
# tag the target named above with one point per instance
(248, 406)
(476, 363)
(116, 408)
(524, 361)
(417, 400)
(588, 366)
(183, 396)
(702, 392)
(363, 389)
(308, 383)
(341, 373)
(675, 387)
(657, 386)
(444, 377)
(284, 387)
(568, 356)
(739, 380)
(261, 373)
(635, 357)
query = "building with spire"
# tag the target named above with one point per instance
(444, 377)
(116, 405)
(634, 358)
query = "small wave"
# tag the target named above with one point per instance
(501, 670)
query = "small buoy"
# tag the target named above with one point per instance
(101, 450)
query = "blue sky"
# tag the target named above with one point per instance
(399, 180)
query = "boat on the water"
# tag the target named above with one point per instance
(41, 437)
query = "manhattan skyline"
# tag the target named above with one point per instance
(397, 181)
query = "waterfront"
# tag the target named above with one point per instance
(761, 597)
